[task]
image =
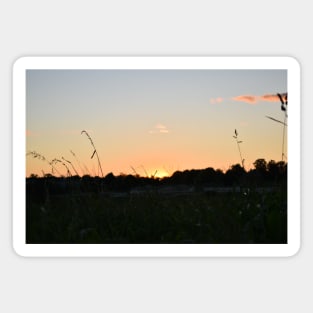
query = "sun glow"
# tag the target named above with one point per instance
(160, 173)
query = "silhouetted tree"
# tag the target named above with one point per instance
(260, 165)
(235, 175)
(273, 170)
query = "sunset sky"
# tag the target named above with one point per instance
(145, 121)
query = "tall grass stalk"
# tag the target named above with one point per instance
(283, 145)
(147, 175)
(39, 156)
(284, 102)
(68, 172)
(69, 162)
(94, 151)
(238, 145)
(134, 171)
(79, 164)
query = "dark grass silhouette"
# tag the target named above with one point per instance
(238, 145)
(284, 102)
(193, 206)
(94, 151)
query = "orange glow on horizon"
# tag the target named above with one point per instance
(160, 173)
(147, 169)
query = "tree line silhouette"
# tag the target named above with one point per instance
(263, 174)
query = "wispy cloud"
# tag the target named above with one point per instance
(253, 99)
(246, 98)
(272, 98)
(159, 129)
(216, 100)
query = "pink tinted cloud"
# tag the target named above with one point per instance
(252, 99)
(273, 98)
(160, 126)
(246, 98)
(159, 129)
(270, 98)
(216, 100)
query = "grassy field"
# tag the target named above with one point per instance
(232, 216)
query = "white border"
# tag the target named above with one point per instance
(157, 250)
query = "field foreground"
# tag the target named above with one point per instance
(178, 214)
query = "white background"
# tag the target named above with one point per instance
(135, 27)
